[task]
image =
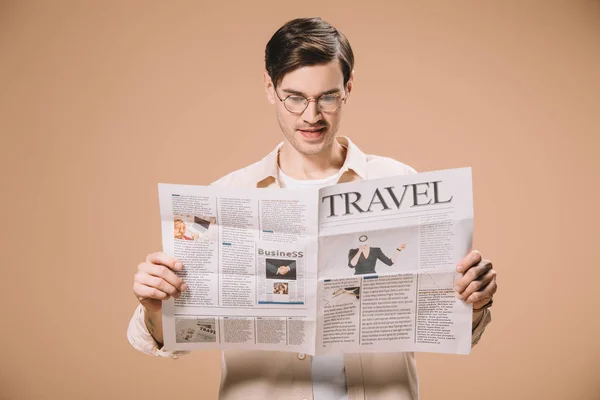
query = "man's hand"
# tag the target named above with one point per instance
(283, 270)
(478, 283)
(155, 281)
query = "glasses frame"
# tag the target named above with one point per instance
(310, 99)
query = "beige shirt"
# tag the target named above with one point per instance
(251, 374)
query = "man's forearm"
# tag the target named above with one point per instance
(395, 256)
(477, 316)
(354, 260)
(153, 320)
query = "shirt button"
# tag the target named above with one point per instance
(301, 356)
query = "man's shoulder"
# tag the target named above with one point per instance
(244, 177)
(382, 166)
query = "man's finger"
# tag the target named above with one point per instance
(472, 274)
(157, 283)
(143, 291)
(161, 258)
(471, 259)
(165, 273)
(478, 284)
(486, 293)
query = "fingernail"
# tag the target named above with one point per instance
(457, 288)
(459, 268)
(184, 287)
(178, 265)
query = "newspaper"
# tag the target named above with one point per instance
(365, 266)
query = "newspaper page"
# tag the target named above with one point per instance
(250, 263)
(388, 250)
(366, 266)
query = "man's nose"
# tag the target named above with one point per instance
(312, 114)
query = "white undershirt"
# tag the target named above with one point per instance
(293, 183)
(329, 380)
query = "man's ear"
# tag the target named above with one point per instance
(269, 88)
(350, 83)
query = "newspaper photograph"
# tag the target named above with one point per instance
(365, 266)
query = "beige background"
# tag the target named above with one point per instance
(100, 101)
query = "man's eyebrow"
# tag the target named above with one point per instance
(292, 91)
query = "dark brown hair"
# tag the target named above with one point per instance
(303, 42)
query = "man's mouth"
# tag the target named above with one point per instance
(312, 133)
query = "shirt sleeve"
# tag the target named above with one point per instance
(351, 255)
(272, 268)
(141, 339)
(480, 327)
(384, 259)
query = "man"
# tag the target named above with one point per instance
(308, 78)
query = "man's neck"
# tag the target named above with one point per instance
(317, 166)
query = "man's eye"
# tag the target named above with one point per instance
(329, 98)
(296, 99)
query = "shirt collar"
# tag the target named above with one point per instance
(356, 162)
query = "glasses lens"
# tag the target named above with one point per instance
(330, 102)
(295, 104)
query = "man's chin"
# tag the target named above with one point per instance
(312, 149)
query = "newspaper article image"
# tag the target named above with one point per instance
(192, 227)
(280, 288)
(195, 330)
(438, 280)
(281, 269)
(342, 295)
(369, 252)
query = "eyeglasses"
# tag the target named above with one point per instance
(296, 103)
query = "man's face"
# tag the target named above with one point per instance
(312, 131)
